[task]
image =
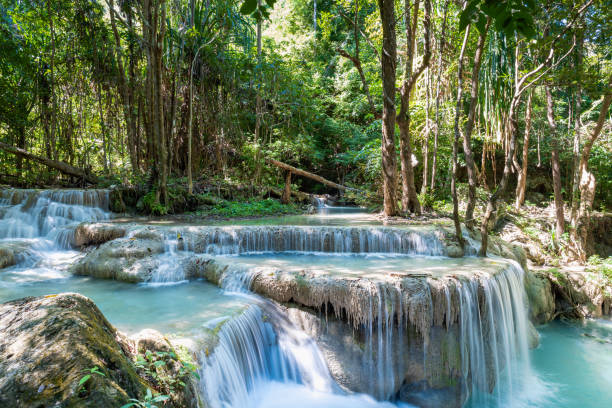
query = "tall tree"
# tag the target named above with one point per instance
(410, 201)
(469, 126)
(587, 179)
(522, 177)
(153, 30)
(388, 66)
(456, 220)
(441, 40)
(556, 168)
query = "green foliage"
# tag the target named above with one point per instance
(427, 200)
(253, 208)
(509, 16)
(90, 372)
(149, 204)
(260, 10)
(159, 367)
(149, 401)
(601, 266)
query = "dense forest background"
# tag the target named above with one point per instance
(512, 94)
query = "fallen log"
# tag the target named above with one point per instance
(300, 196)
(312, 176)
(58, 165)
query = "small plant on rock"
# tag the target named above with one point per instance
(90, 372)
(148, 402)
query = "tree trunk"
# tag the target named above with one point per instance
(258, 104)
(154, 30)
(424, 187)
(456, 138)
(286, 197)
(577, 126)
(556, 169)
(389, 52)
(162, 145)
(522, 177)
(311, 176)
(190, 130)
(410, 201)
(434, 163)
(469, 126)
(125, 92)
(587, 179)
(58, 165)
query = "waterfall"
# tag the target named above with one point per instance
(494, 336)
(257, 347)
(50, 214)
(274, 238)
(474, 317)
(170, 268)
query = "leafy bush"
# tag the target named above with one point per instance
(148, 205)
(252, 208)
(427, 200)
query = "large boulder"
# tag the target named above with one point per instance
(126, 259)
(97, 233)
(49, 344)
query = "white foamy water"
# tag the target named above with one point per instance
(51, 215)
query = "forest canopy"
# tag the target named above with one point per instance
(404, 101)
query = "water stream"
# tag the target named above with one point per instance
(263, 358)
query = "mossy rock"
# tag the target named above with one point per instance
(48, 344)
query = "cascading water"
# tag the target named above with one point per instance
(170, 269)
(50, 214)
(259, 346)
(237, 240)
(483, 311)
(262, 359)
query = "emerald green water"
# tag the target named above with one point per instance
(574, 360)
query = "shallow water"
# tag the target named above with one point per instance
(181, 309)
(371, 266)
(572, 367)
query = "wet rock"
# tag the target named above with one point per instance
(346, 353)
(96, 234)
(540, 296)
(14, 251)
(149, 339)
(126, 259)
(49, 344)
(579, 293)
(454, 251)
